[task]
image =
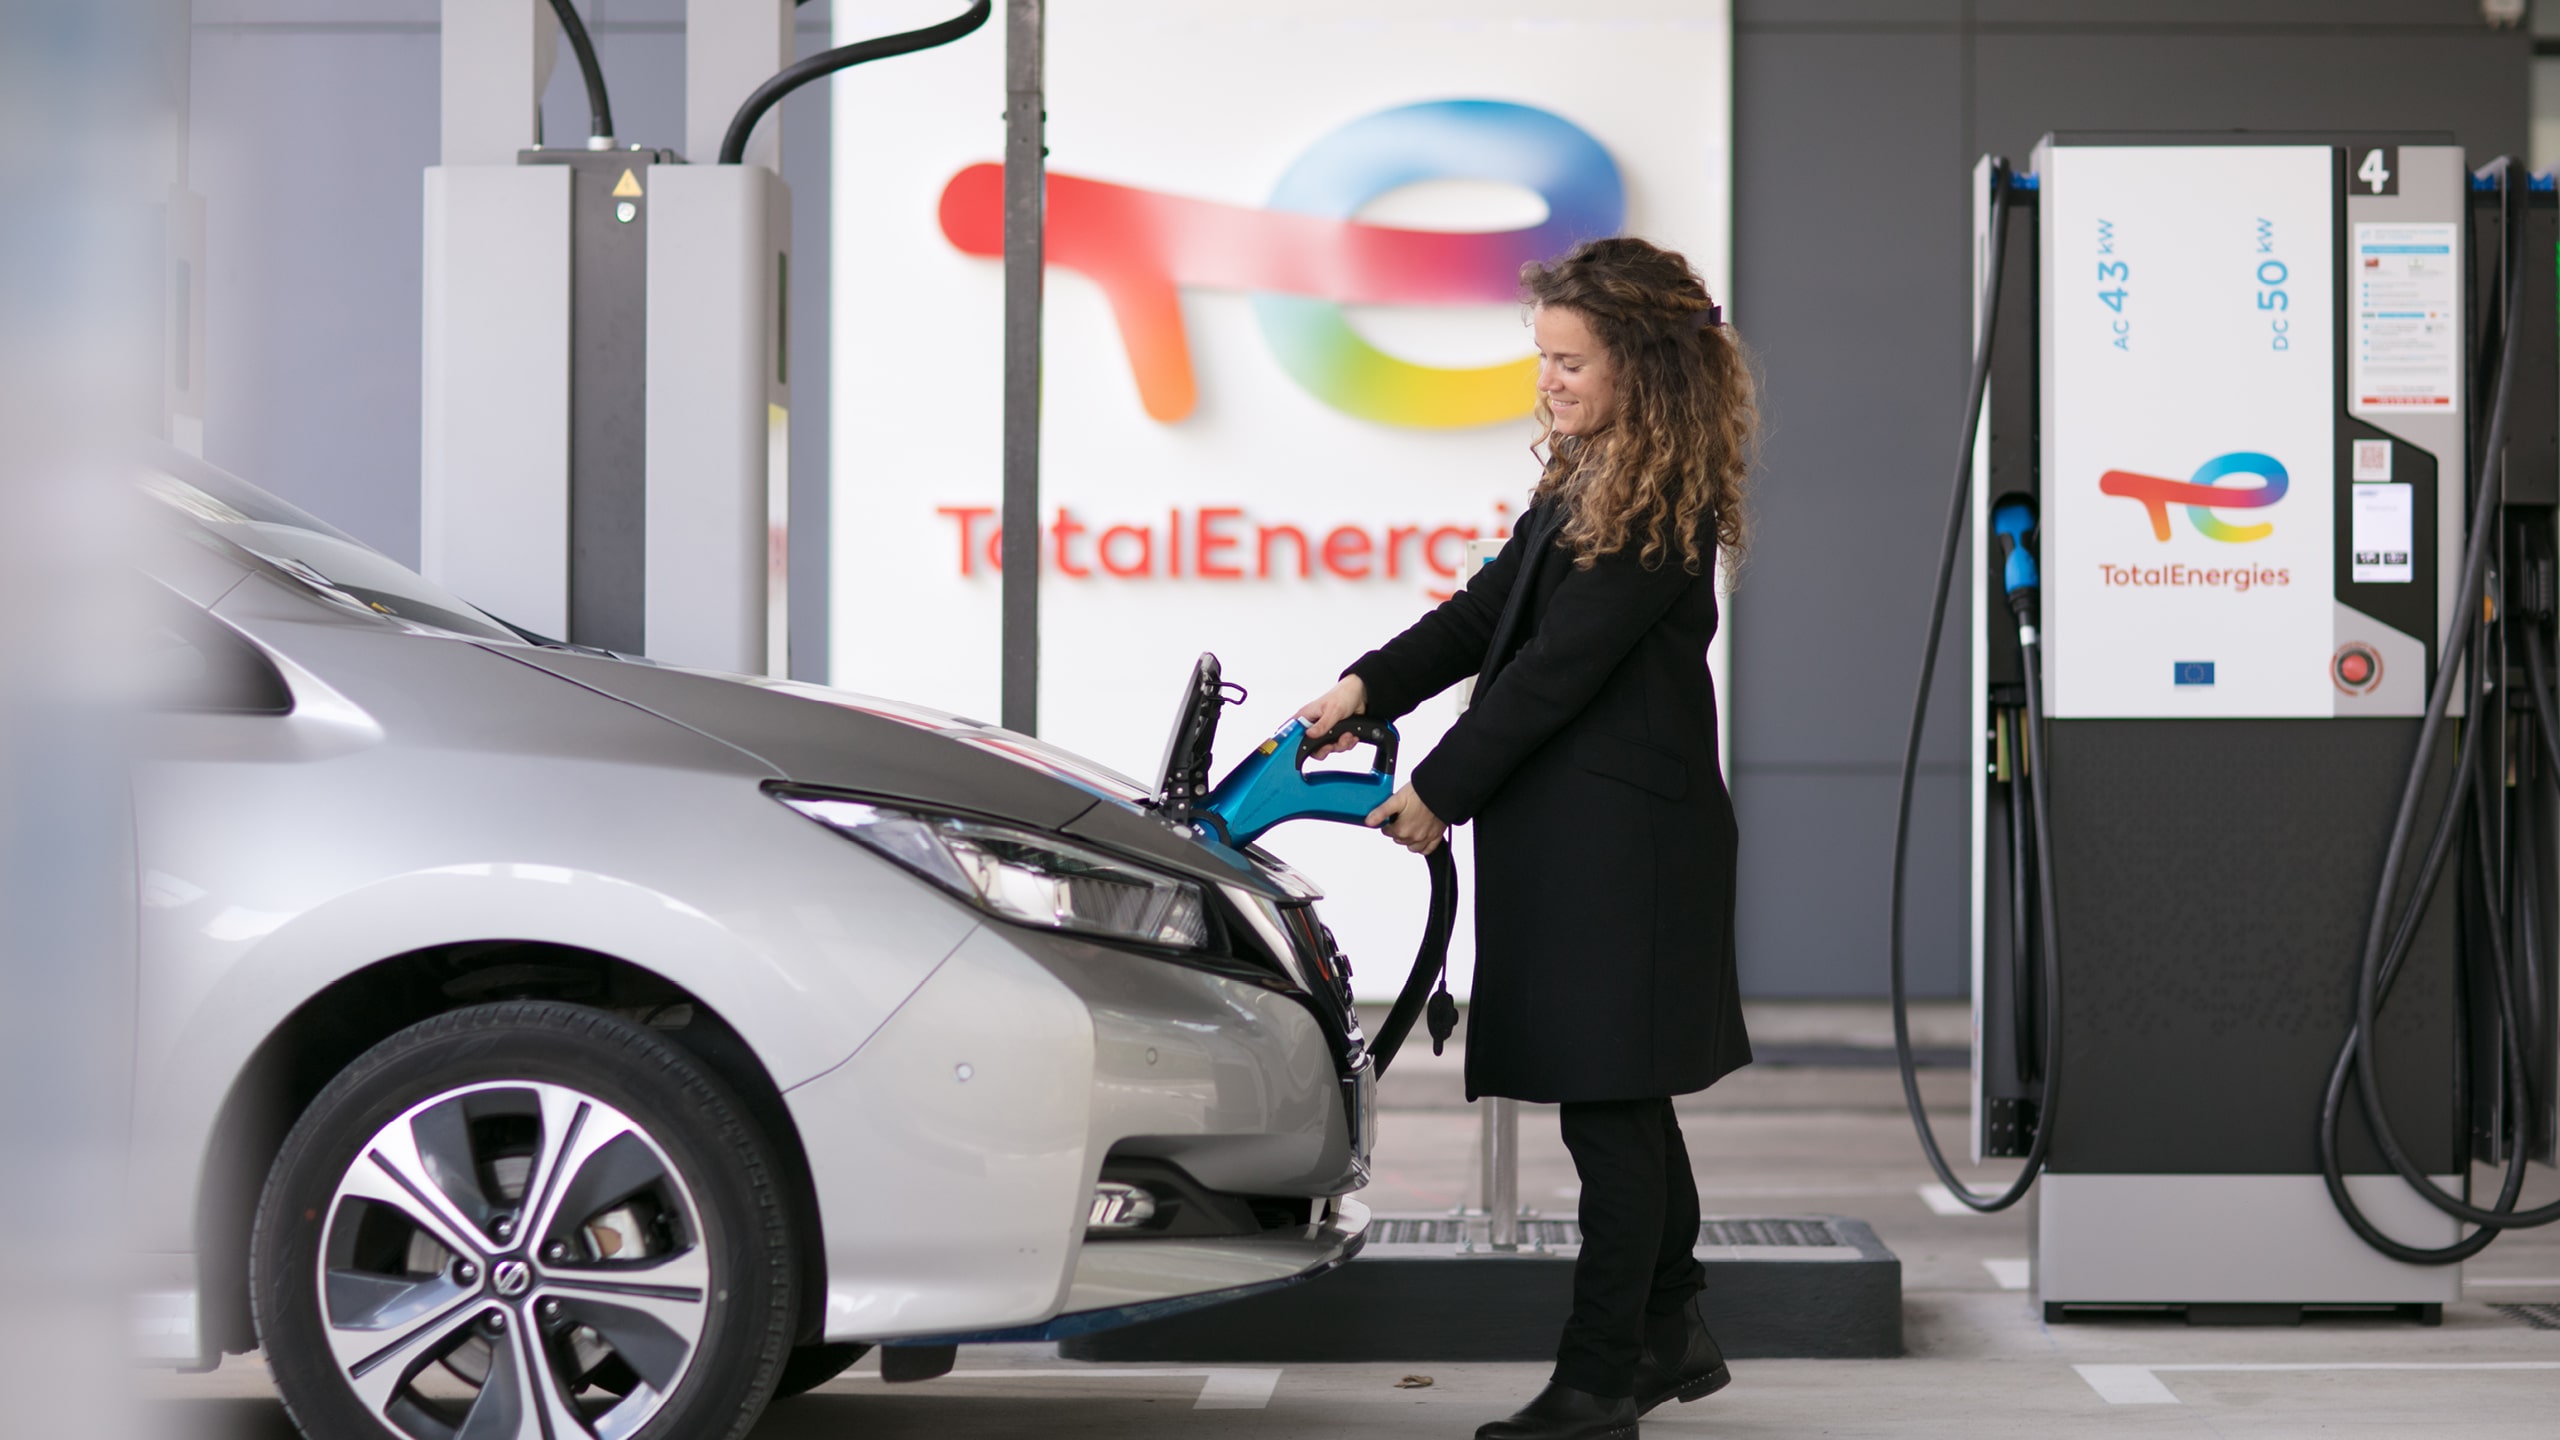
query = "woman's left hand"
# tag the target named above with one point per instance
(1409, 822)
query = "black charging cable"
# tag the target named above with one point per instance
(1420, 998)
(2024, 1023)
(599, 109)
(2386, 943)
(2535, 1022)
(2050, 1087)
(733, 143)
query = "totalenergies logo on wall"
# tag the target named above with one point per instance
(2202, 495)
(1303, 257)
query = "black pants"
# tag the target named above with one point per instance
(1639, 1224)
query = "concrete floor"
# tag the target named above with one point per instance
(1830, 1138)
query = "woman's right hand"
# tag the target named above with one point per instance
(1326, 712)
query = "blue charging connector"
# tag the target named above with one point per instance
(1272, 785)
(2013, 520)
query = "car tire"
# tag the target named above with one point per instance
(811, 1366)
(495, 1208)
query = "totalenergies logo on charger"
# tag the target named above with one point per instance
(1303, 257)
(2202, 495)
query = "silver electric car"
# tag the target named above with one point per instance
(536, 1041)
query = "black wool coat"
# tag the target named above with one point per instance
(1604, 839)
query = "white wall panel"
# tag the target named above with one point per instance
(1216, 103)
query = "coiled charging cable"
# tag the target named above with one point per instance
(2380, 963)
(2050, 1088)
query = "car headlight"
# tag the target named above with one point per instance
(1023, 875)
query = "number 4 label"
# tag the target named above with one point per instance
(2378, 170)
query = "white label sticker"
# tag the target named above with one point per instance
(2380, 537)
(2372, 460)
(2406, 292)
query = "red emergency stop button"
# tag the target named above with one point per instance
(2356, 669)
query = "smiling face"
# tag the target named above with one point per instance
(1577, 376)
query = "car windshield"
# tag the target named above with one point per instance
(335, 564)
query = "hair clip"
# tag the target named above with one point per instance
(1708, 319)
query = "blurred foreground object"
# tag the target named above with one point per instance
(92, 124)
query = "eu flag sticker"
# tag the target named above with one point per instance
(2193, 672)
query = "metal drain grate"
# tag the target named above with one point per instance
(1416, 1230)
(2540, 1317)
(1768, 1232)
(1451, 1230)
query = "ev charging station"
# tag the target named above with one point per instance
(2261, 485)
(606, 389)
(2261, 503)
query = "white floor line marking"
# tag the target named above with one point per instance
(2140, 1384)
(2471, 1283)
(2009, 1274)
(1238, 1390)
(2126, 1384)
(1942, 1201)
(1219, 1389)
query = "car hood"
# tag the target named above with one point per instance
(838, 740)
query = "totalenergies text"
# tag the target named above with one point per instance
(1228, 542)
(2237, 579)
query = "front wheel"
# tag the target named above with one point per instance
(520, 1221)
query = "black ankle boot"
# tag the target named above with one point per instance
(1680, 1358)
(1563, 1413)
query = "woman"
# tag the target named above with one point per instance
(1605, 842)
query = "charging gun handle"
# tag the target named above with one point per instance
(1359, 727)
(1430, 969)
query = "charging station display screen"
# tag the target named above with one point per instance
(2190, 431)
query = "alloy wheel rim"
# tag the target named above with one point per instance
(501, 1258)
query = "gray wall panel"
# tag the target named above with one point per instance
(2471, 83)
(2225, 14)
(308, 149)
(315, 12)
(643, 76)
(1815, 848)
(1863, 13)
(1845, 231)
(1843, 239)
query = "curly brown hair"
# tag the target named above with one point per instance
(1672, 462)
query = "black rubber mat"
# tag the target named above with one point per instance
(1414, 1295)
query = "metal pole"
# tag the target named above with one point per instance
(1025, 113)
(1502, 1173)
